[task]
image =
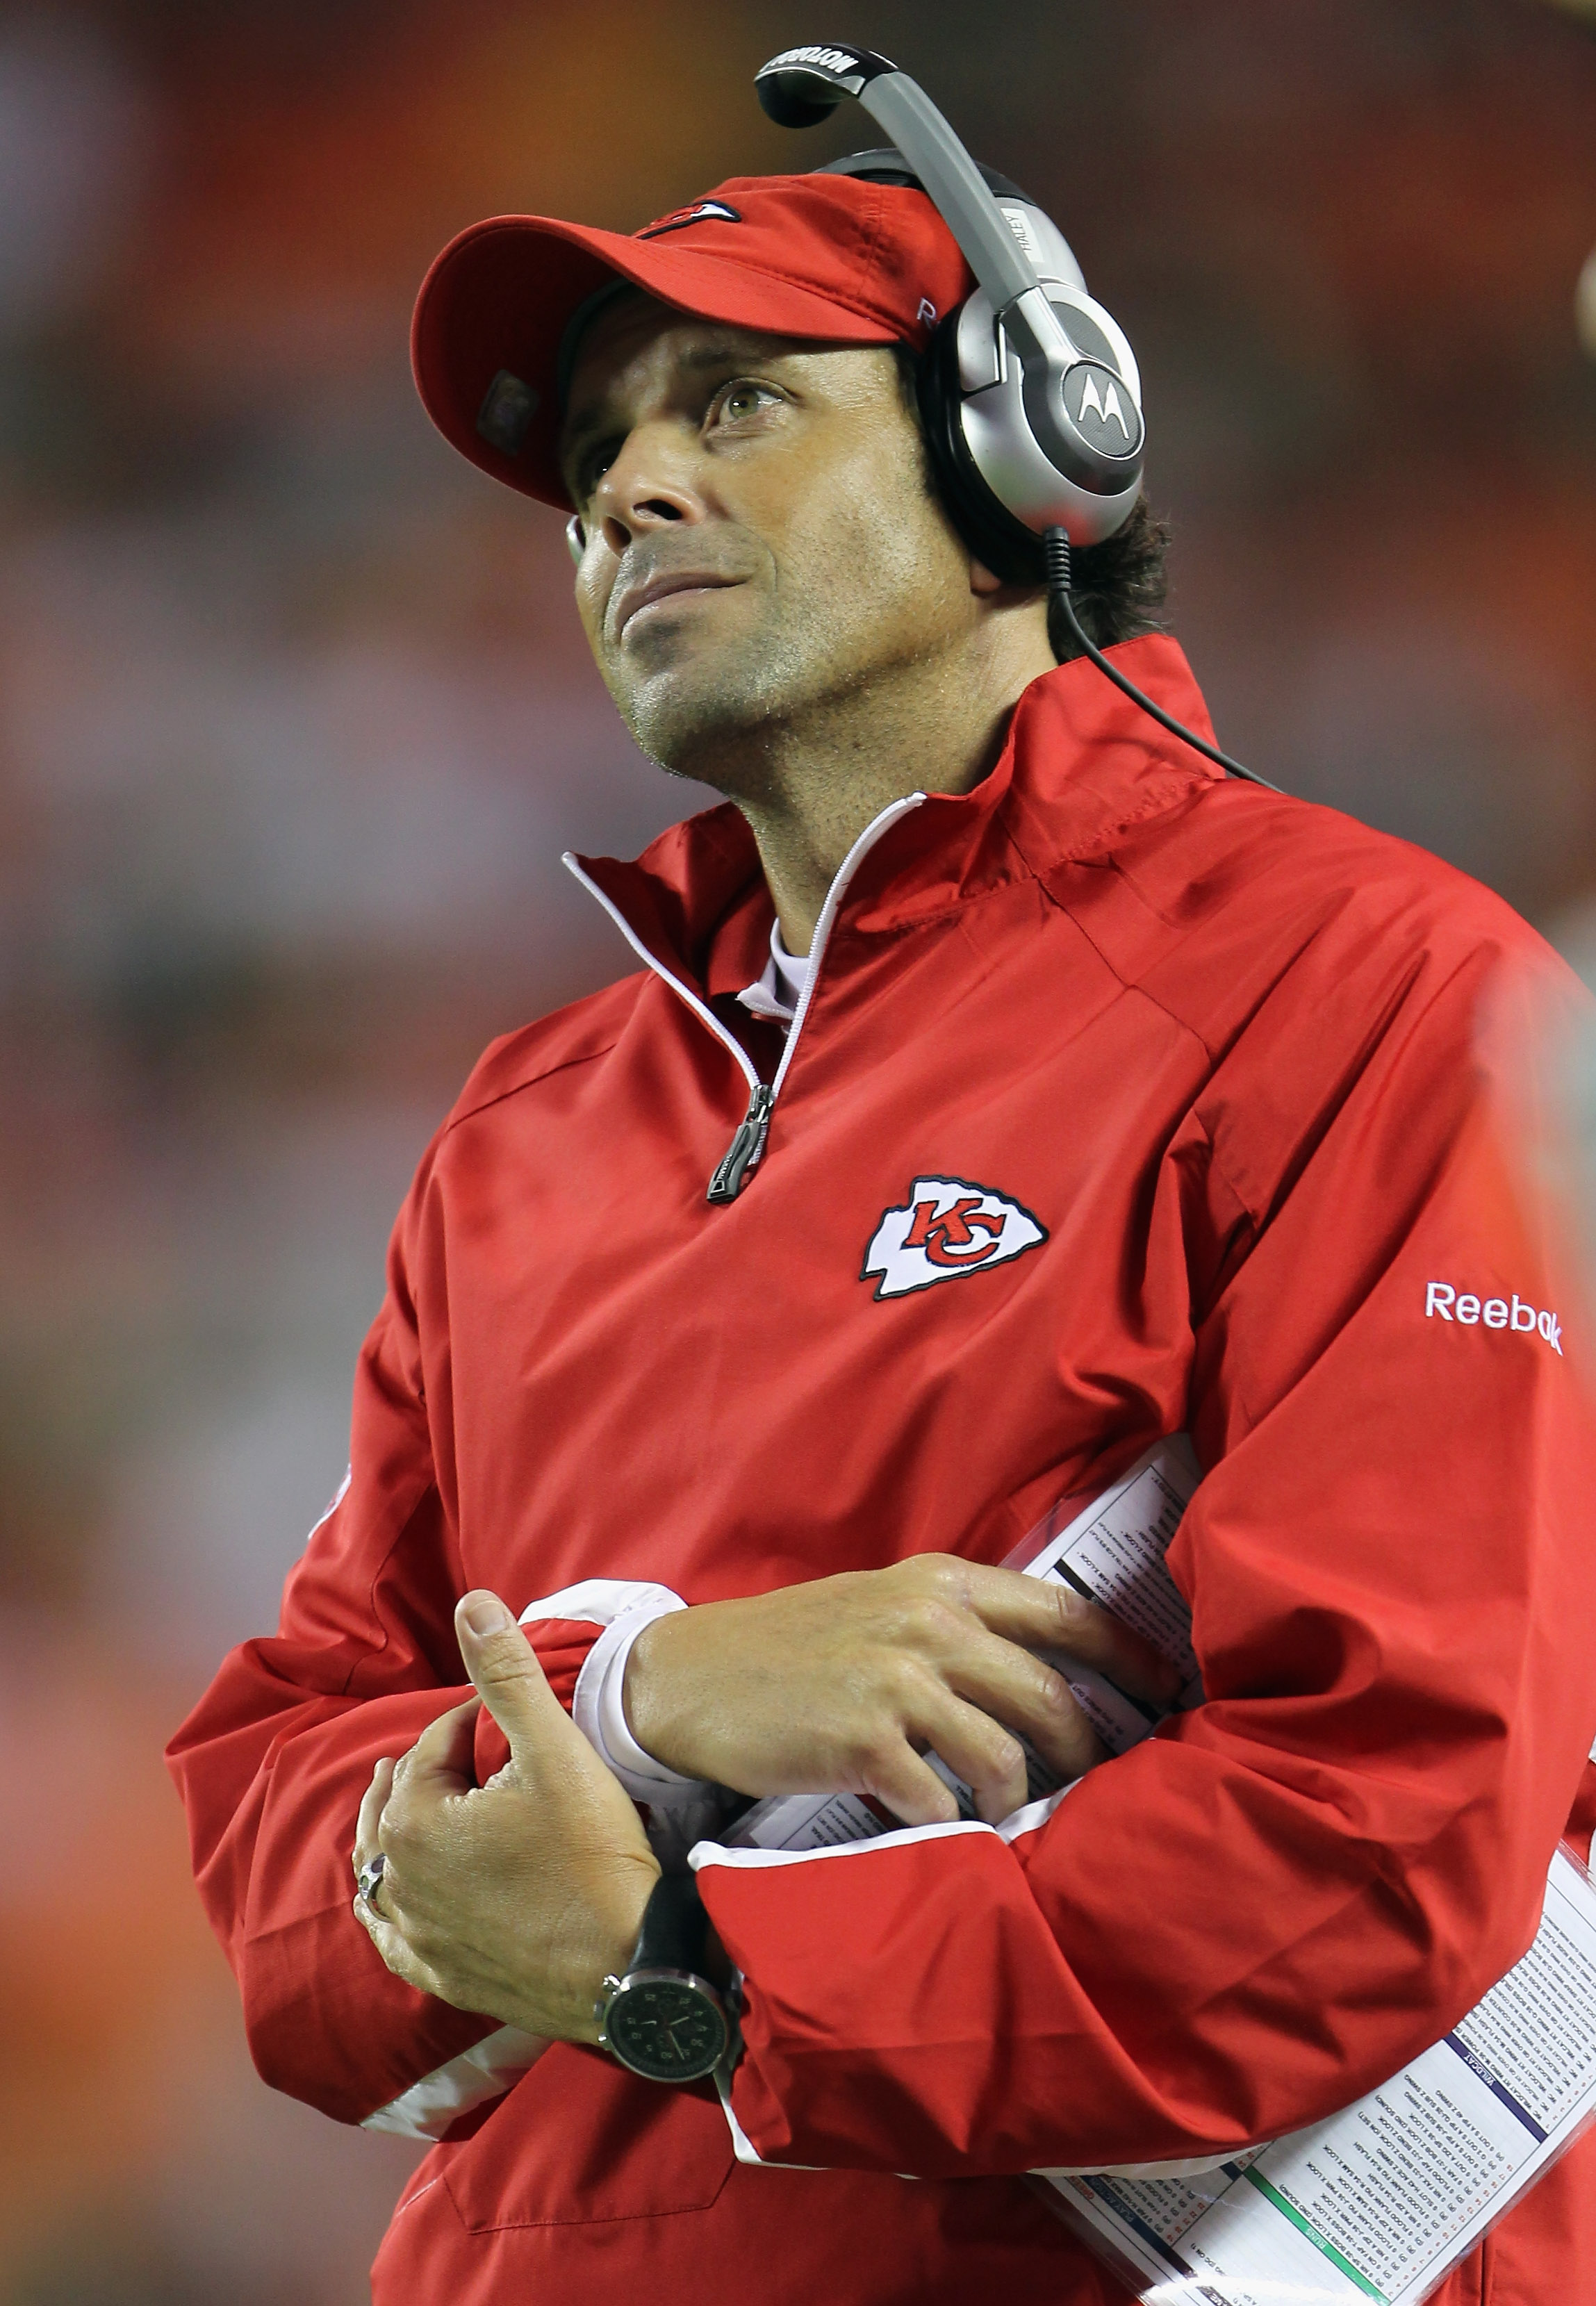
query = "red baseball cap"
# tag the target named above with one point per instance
(831, 259)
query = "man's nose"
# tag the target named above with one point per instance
(647, 488)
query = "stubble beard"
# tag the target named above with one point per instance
(722, 721)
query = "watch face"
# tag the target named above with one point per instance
(668, 2029)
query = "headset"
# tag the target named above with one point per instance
(1030, 396)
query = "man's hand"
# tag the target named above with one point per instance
(843, 1684)
(517, 1898)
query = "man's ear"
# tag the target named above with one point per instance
(986, 586)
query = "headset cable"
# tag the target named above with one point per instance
(1055, 545)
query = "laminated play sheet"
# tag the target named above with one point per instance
(1381, 2201)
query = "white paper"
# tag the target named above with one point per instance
(1380, 2202)
(804, 1821)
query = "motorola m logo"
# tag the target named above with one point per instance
(1107, 408)
(837, 60)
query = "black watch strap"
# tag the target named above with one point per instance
(674, 1927)
(664, 2020)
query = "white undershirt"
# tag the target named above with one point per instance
(778, 991)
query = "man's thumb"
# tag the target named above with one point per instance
(503, 1666)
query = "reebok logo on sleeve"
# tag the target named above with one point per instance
(1444, 1303)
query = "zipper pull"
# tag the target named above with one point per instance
(744, 1151)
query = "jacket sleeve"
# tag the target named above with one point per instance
(1263, 1911)
(273, 1762)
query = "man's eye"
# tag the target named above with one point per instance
(594, 469)
(740, 400)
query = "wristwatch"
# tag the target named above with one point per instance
(664, 2020)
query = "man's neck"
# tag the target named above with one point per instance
(809, 785)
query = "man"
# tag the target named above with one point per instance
(1187, 1095)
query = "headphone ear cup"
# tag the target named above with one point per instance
(993, 532)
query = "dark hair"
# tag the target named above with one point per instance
(1119, 585)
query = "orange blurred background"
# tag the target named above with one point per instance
(294, 721)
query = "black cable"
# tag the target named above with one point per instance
(1055, 545)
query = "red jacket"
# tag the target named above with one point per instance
(1233, 1061)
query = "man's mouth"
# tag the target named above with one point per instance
(634, 600)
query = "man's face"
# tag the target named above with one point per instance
(760, 537)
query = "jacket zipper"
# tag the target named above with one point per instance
(747, 1148)
(743, 1155)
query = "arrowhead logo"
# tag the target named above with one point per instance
(701, 212)
(947, 1226)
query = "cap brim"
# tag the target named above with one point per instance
(501, 296)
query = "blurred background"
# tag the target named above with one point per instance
(294, 721)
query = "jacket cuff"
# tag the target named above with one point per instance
(622, 1609)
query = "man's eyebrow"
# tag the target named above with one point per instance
(718, 352)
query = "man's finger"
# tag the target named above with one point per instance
(445, 1752)
(392, 1944)
(901, 1782)
(1041, 1614)
(988, 1758)
(504, 1667)
(368, 1824)
(1027, 1695)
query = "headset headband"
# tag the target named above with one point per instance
(803, 86)
(1044, 437)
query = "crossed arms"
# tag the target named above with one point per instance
(515, 1899)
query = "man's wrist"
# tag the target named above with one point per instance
(612, 1954)
(643, 1693)
(665, 2016)
(600, 1711)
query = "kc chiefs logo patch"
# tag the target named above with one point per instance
(947, 1226)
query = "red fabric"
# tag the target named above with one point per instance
(1241, 1058)
(827, 259)
(562, 1645)
(366, 1658)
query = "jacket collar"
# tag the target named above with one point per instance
(1080, 763)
